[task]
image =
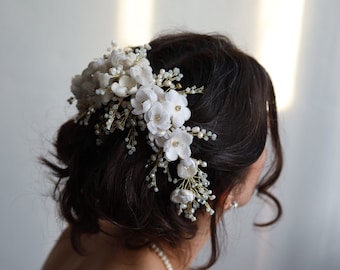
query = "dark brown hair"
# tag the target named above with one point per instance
(104, 182)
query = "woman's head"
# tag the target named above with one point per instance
(106, 182)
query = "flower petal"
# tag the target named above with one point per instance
(142, 74)
(182, 196)
(187, 168)
(179, 142)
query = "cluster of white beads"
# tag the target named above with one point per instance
(116, 71)
(167, 78)
(194, 90)
(201, 133)
(159, 162)
(198, 186)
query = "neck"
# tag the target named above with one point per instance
(189, 249)
(180, 258)
(160, 253)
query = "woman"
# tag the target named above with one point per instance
(167, 138)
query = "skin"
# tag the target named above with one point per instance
(244, 195)
(106, 253)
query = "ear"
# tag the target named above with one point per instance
(242, 194)
(227, 202)
(231, 201)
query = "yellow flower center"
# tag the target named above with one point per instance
(175, 143)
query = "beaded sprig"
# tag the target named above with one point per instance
(122, 88)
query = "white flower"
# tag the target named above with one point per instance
(103, 79)
(187, 168)
(82, 90)
(103, 95)
(161, 140)
(182, 196)
(177, 107)
(97, 65)
(119, 57)
(145, 97)
(126, 86)
(142, 72)
(178, 145)
(76, 89)
(157, 119)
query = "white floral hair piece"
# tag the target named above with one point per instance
(123, 89)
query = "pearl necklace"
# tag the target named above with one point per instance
(160, 253)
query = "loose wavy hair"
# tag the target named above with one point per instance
(104, 182)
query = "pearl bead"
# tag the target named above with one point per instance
(160, 253)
